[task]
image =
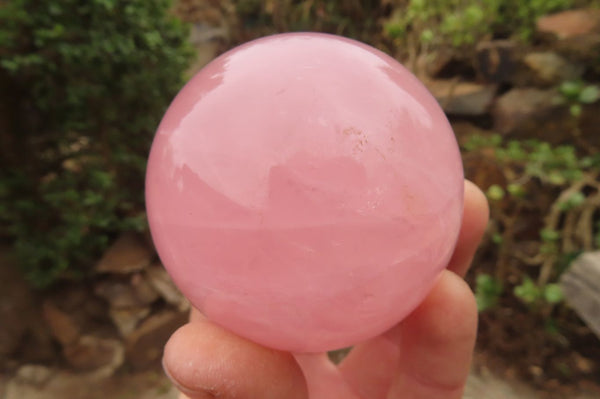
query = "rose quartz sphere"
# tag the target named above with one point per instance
(304, 191)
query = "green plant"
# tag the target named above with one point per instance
(419, 25)
(487, 291)
(86, 83)
(495, 192)
(528, 291)
(576, 94)
(553, 165)
(532, 294)
(520, 16)
(552, 187)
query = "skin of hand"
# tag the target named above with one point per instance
(426, 356)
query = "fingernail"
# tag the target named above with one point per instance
(193, 394)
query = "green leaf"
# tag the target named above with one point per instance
(495, 192)
(495, 140)
(487, 291)
(553, 293)
(556, 177)
(515, 151)
(394, 29)
(497, 239)
(590, 94)
(427, 36)
(575, 200)
(10, 65)
(575, 110)
(571, 89)
(549, 235)
(527, 291)
(516, 190)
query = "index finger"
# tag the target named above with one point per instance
(475, 218)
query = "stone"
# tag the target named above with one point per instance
(532, 113)
(575, 34)
(583, 49)
(161, 281)
(4, 380)
(549, 68)
(62, 326)
(79, 302)
(321, 215)
(23, 333)
(144, 291)
(462, 98)
(95, 353)
(127, 255)
(583, 364)
(581, 287)
(569, 24)
(490, 386)
(38, 346)
(433, 63)
(496, 61)
(144, 346)
(119, 294)
(72, 311)
(34, 374)
(131, 293)
(127, 319)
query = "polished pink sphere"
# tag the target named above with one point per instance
(304, 191)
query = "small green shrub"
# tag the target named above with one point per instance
(85, 83)
(551, 187)
(576, 94)
(461, 23)
(531, 294)
(518, 17)
(487, 292)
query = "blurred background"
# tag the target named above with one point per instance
(85, 306)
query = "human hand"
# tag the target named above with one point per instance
(426, 356)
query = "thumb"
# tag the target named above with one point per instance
(205, 361)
